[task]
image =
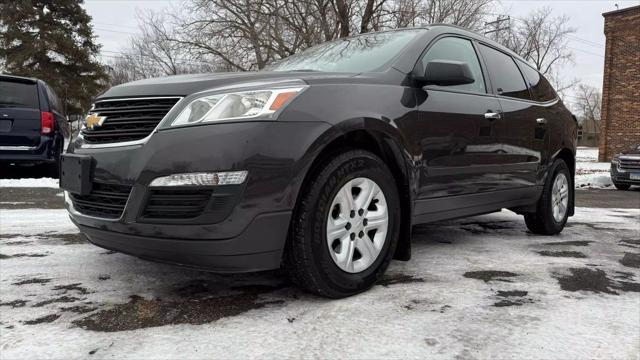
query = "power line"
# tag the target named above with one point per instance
(116, 25)
(123, 55)
(586, 52)
(115, 31)
(585, 41)
(570, 36)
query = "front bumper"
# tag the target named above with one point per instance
(251, 232)
(238, 254)
(623, 176)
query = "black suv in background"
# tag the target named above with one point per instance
(323, 162)
(33, 127)
(625, 168)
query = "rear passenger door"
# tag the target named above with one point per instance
(522, 139)
(547, 109)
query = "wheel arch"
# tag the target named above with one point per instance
(569, 158)
(382, 139)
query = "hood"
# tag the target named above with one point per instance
(182, 85)
(634, 151)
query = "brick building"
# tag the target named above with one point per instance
(620, 122)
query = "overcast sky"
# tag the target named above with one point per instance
(115, 21)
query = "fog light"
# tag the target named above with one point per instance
(201, 179)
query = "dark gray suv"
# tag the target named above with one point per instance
(625, 168)
(322, 163)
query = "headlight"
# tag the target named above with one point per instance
(615, 159)
(262, 103)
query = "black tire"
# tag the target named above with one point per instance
(307, 259)
(621, 186)
(53, 169)
(542, 221)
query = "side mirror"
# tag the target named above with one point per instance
(446, 73)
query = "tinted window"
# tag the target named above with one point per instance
(505, 76)
(540, 88)
(357, 54)
(54, 101)
(457, 49)
(16, 94)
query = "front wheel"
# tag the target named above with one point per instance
(552, 210)
(345, 226)
(621, 186)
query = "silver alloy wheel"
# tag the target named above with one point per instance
(560, 197)
(357, 225)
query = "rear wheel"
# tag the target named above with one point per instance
(53, 169)
(552, 209)
(345, 226)
(621, 186)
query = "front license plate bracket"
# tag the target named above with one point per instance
(75, 173)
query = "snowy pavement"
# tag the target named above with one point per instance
(591, 174)
(476, 288)
(30, 183)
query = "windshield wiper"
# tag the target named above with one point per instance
(303, 70)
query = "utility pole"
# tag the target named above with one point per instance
(496, 26)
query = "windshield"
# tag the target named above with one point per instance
(362, 53)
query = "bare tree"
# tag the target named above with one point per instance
(241, 35)
(155, 45)
(470, 14)
(540, 38)
(588, 102)
(153, 53)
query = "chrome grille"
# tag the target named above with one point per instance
(127, 119)
(628, 164)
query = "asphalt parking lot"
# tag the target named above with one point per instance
(481, 287)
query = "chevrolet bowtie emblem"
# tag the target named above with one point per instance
(93, 121)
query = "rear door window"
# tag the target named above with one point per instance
(54, 101)
(540, 88)
(505, 76)
(457, 49)
(18, 94)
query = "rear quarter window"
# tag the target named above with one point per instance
(18, 94)
(540, 88)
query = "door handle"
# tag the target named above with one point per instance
(492, 115)
(541, 121)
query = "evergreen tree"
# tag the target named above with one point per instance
(52, 40)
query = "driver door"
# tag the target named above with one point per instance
(458, 129)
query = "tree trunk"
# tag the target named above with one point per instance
(343, 17)
(366, 17)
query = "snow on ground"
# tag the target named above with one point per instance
(591, 174)
(35, 221)
(587, 154)
(30, 183)
(481, 287)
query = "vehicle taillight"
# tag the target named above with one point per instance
(46, 122)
